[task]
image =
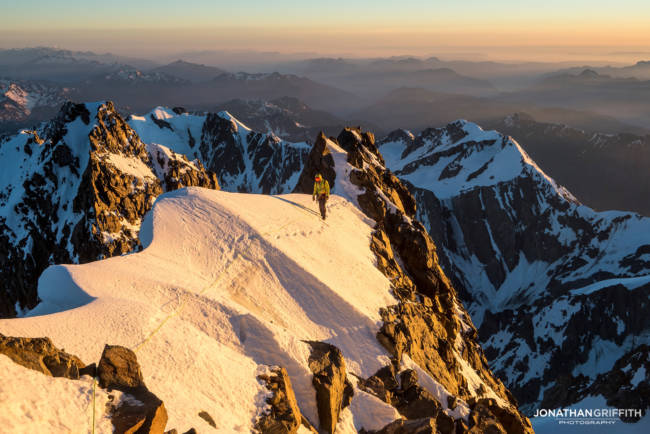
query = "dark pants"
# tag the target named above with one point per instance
(322, 200)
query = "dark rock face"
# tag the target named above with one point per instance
(627, 384)
(258, 163)
(541, 274)
(411, 400)
(333, 390)
(149, 418)
(41, 355)
(284, 416)
(319, 161)
(76, 192)
(244, 160)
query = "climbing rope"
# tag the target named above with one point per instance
(94, 387)
(179, 310)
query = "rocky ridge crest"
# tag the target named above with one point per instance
(429, 327)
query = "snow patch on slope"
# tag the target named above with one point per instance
(31, 402)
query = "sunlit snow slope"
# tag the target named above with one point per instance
(252, 277)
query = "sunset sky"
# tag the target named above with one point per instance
(555, 29)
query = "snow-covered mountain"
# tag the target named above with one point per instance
(348, 323)
(288, 118)
(189, 71)
(559, 292)
(64, 66)
(243, 159)
(605, 170)
(75, 190)
(133, 76)
(19, 98)
(274, 85)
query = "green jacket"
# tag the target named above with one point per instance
(322, 187)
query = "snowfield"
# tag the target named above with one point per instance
(241, 280)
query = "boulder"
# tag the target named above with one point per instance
(206, 417)
(406, 395)
(141, 412)
(41, 355)
(415, 403)
(284, 417)
(333, 391)
(119, 369)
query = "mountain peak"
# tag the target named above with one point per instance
(461, 156)
(589, 73)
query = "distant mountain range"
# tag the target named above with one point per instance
(640, 70)
(606, 171)
(627, 99)
(417, 108)
(382, 76)
(190, 71)
(288, 118)
(64, 66)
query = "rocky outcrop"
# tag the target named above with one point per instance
(424, 332)
(318, 161)
(119, 369)
(141, 411)
(333, 390)
(145, 415)
(120, 202)
(416, 426)
(537, 270)
(77, 191)
(404, 393)
(41, 355)
(284, 416)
